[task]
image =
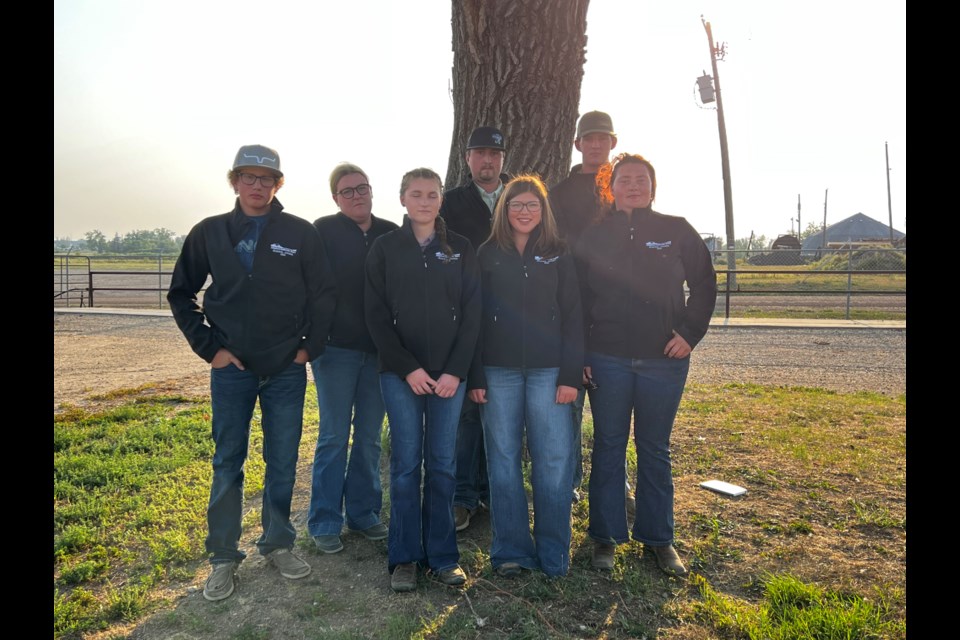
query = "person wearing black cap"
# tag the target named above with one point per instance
(468, 210)
(265, 314)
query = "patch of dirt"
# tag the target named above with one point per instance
(94, 354)
(349, 593)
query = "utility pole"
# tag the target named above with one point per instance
(799, 228)
(823, 239)
(886, 151)
(718, 51)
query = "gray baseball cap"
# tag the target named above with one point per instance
(257, 155)
(595, 122)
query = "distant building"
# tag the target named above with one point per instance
(857, 230)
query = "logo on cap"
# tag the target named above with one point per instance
(260, 159)
(257, 155)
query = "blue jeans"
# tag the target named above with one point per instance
(577, 411)
(233, 395)
(577, 406)
(348, 390)
(472, 483)
(518, 398)
(650, 389)
(423, 436)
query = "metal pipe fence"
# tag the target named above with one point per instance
(831, 283)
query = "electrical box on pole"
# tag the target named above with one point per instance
(705, 86)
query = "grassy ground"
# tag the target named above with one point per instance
(815, 549)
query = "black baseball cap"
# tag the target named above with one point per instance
(486, 138)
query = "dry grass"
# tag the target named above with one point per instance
(826, 503)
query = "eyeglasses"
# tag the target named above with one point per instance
(516, 206)
(360, 190)
(265, 181)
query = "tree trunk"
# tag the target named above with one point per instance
(517, 66)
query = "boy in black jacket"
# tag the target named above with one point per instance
(264, 315)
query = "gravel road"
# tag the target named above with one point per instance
(98, 353)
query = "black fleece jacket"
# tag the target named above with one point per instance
(575, 204)
(531, 313)
(286, 303)
(632, 269)
(422, 306)
(466, 213)
(347, 246)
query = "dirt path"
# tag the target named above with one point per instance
(97, 353)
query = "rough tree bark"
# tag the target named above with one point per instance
(517, 66)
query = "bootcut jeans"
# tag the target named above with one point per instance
(650, 390)
(524, 401)
(423, 438)
(233, 394)
(346, 477)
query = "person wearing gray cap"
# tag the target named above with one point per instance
(267, 309)
(468, 210)
(574, 199)
(576, 205)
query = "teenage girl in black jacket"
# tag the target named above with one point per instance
(528, 370)
(422, 305)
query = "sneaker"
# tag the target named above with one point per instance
(328, 544)
(289, 565)
(453, 577)
(221, 582)
(603, 555)
(461, 517)
(668, 560)
(508, 570)
(376, 532)
(404, 577)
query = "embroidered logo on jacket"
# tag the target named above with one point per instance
(445, 259)
(543, 260)
(282, 250)
(659, 246)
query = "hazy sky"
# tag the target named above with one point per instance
(152, 100)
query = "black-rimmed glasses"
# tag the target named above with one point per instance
(360, 190)
(516, 206)
(265, 181)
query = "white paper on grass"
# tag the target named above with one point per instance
(725, 488)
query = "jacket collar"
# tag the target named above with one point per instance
(504, 179)
(238, 220)
(347, 220)
(407, 229)
(619, 213)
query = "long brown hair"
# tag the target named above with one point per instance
(439, 224)
(501, 233)
(608, 173)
